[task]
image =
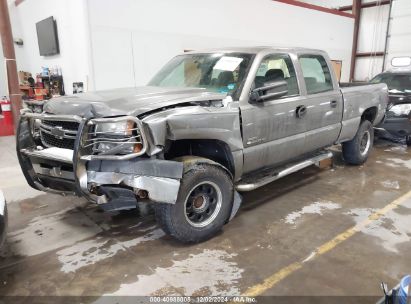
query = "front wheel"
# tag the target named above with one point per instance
(357, 150)
(203, 205)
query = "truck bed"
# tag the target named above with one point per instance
(358, 96)
(364, 94)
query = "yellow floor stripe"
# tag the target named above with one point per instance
(272, 280)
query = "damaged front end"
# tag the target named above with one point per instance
(397, 123)
(102, 159)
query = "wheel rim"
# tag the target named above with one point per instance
(365, 143)
(202, 204)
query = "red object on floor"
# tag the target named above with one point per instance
(6, 118)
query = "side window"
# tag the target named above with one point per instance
(277, 67)
(316, 73)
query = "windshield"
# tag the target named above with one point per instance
(217, 72)
(397, 83)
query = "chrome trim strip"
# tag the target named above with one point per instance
(124, 140)
(111, 133)
(45, 154)
(53, 117)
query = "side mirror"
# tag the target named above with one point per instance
(270, 90)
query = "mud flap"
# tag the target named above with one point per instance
(238, 199)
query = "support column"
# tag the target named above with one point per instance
(356, 10)
(387, 36)
(10, 57)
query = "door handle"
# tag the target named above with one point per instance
(300, 111)
(333, 103)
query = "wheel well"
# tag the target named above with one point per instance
(213, 149)
(369, 114)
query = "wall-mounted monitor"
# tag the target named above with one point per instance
(47, 37)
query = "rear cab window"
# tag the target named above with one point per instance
(316, 73)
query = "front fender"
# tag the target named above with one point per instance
(195, 122)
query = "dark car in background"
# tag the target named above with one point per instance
(397, 123)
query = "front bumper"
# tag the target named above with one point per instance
(103, 181)
(394, 127)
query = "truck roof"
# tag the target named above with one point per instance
(258, 49)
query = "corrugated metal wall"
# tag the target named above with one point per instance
(399, 42)
(373, 28)
(372, 36)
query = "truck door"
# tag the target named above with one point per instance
(272, 133)
(324, 103)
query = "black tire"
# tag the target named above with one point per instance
(408, 140)
(210, 187)
(357, 150)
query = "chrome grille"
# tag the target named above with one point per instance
(68, 125)
(60, 134)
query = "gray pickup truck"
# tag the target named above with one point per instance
(207, 126)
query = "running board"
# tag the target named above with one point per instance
(269, 177)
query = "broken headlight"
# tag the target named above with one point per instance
(109, 137)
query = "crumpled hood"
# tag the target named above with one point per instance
(126, 101)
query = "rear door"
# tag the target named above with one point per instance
(324, 102)
(272, 133)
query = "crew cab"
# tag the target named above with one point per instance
(208, 125)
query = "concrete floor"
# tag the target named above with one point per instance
(63, 246)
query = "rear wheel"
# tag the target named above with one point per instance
(203, 205)
(357, 150)
(408, 140)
